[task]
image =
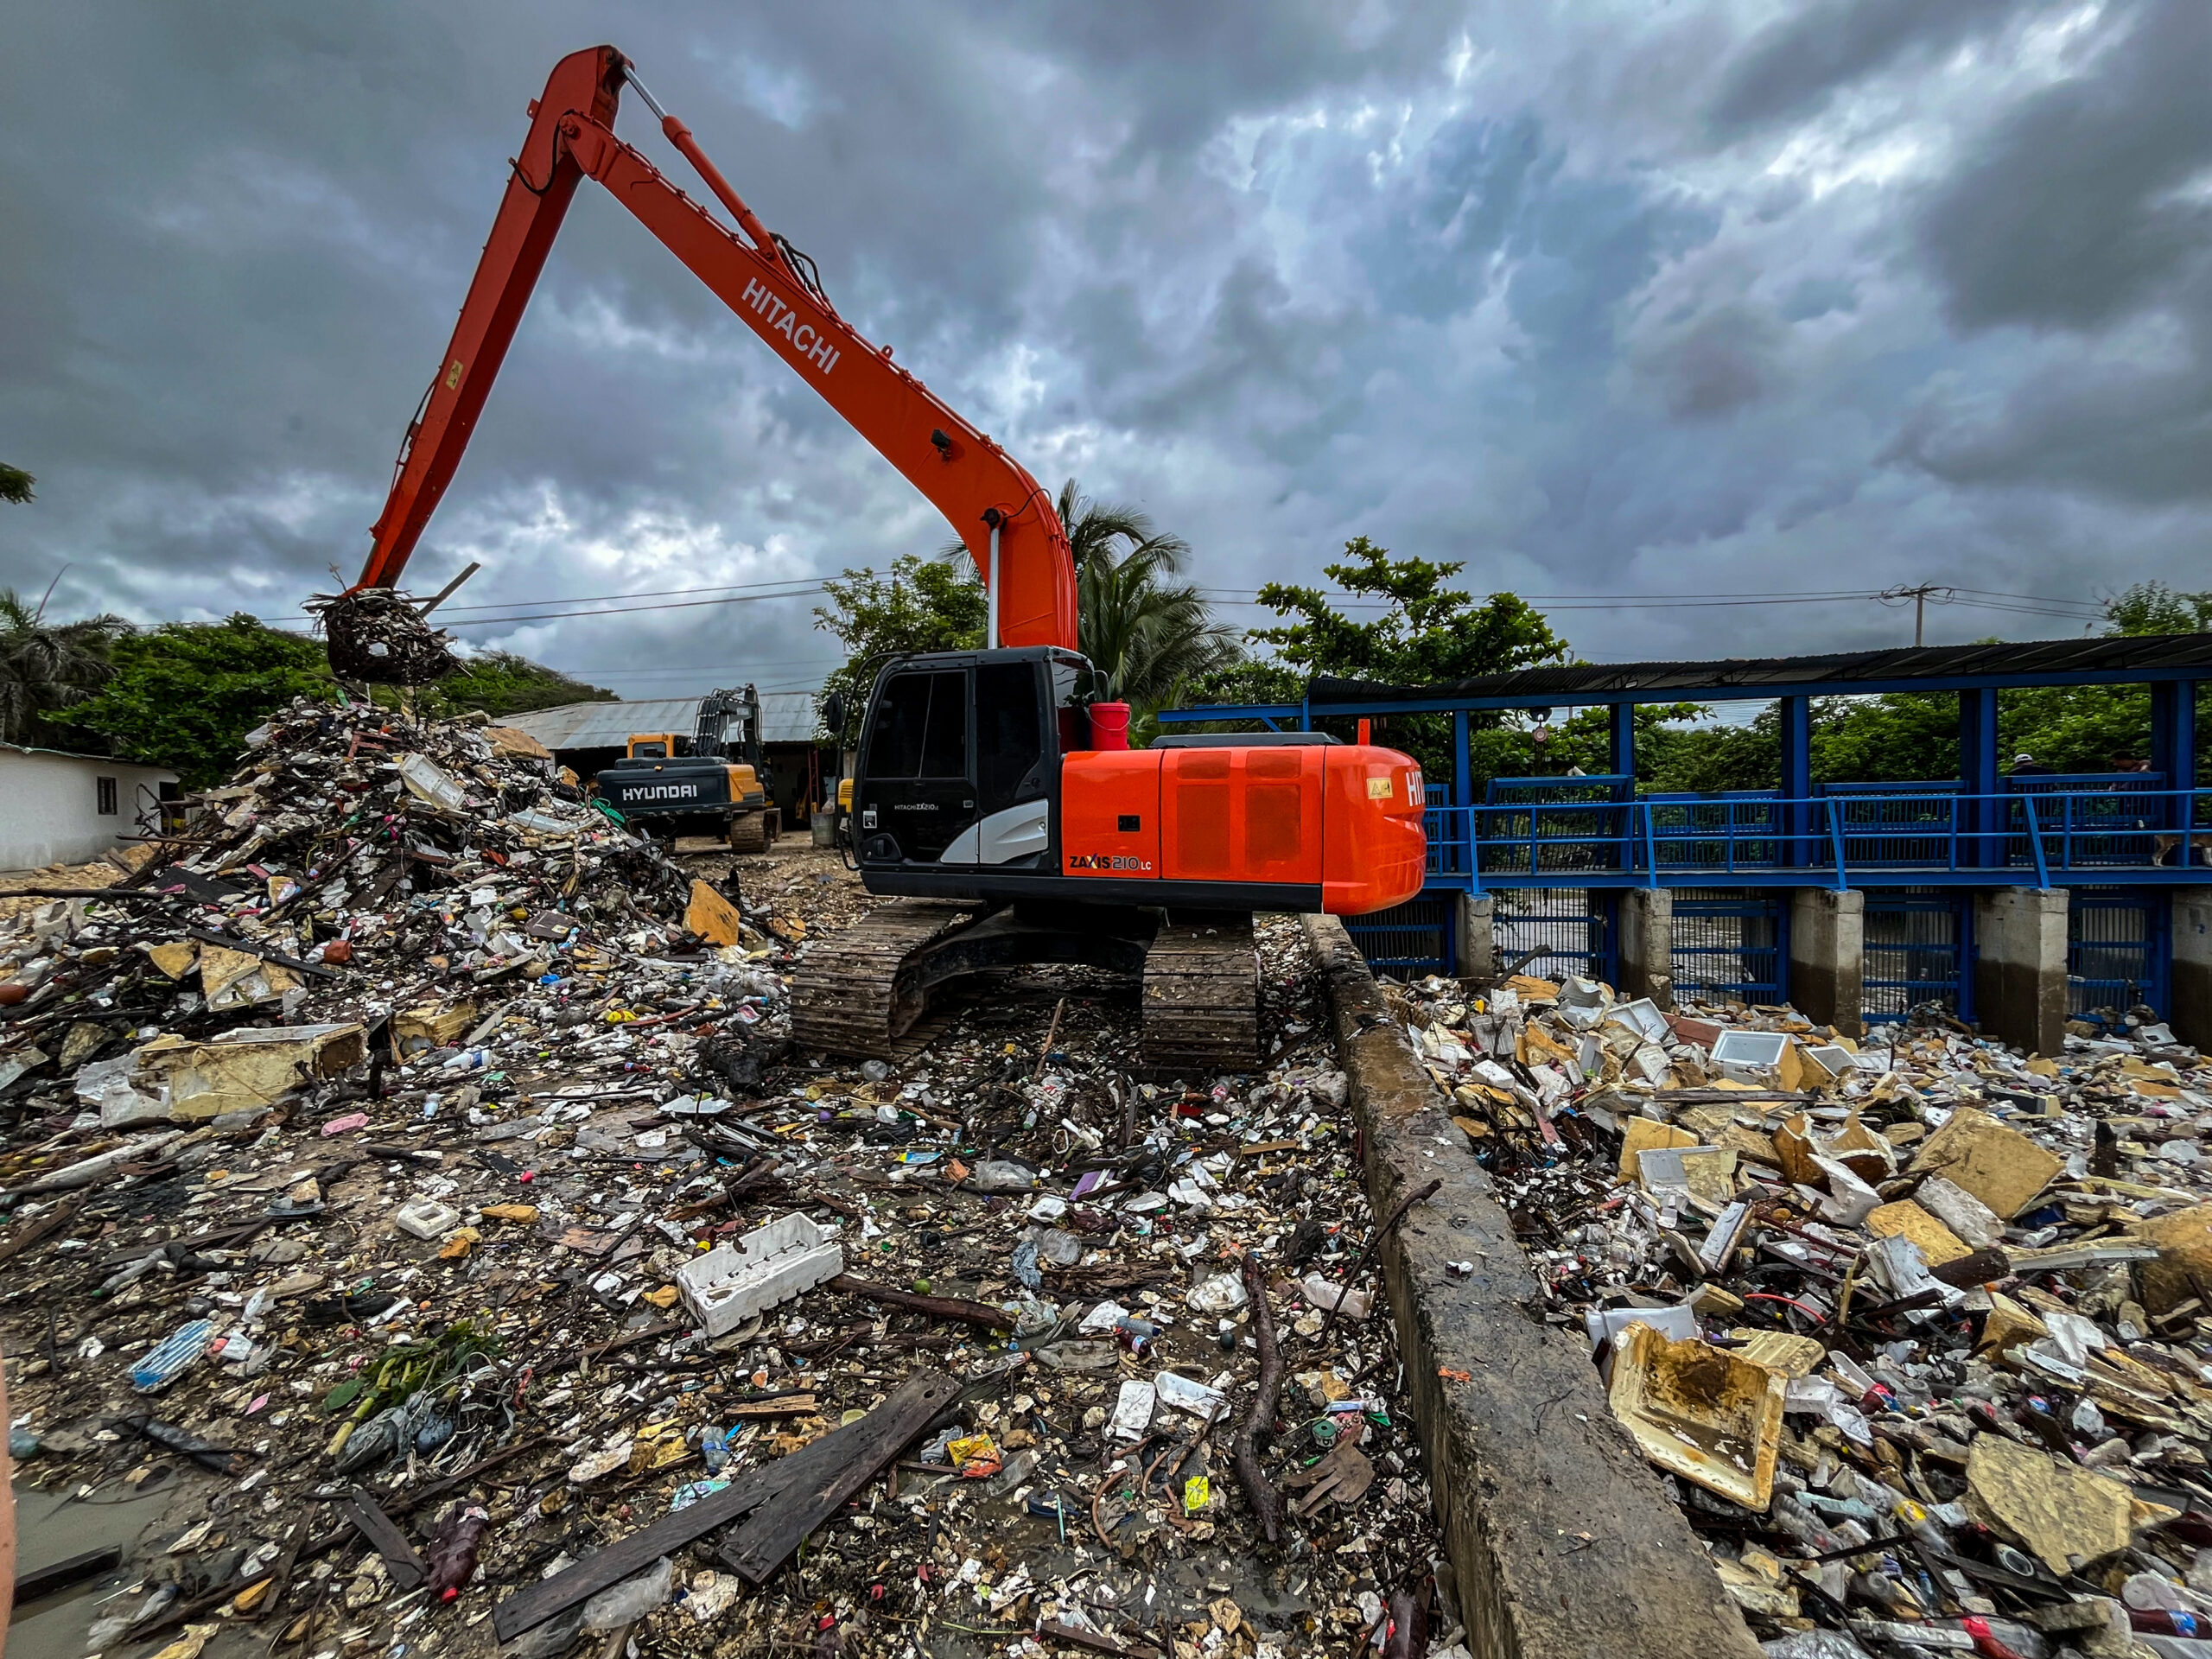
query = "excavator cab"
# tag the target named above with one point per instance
(982, 775)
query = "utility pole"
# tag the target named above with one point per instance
(1919, 596)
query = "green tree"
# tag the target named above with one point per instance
(2153, 607)
(922, 605)
(48, 668)
(186, 694)
(503, 683)
(1148, 639)
(1429, 634)
(14, 484)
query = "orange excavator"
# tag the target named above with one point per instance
(995, 797)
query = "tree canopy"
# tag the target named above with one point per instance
(503, 683)
(48, 669)
(185, 693)
(15, 485)
(921, 605)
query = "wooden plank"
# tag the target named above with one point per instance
(763, 1544)
(45, 1581)
(872, 1442)
(400, 1560)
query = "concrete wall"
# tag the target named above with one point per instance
(2192, 1015)
(1828, 957)
(49, 806)
(2019, 969)
(1563, 1542)
(1647, 952)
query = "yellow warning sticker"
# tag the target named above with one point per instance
(453, 375)
(1378, 789)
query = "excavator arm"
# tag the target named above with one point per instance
(1000, 513)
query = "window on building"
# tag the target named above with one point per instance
(106, 787)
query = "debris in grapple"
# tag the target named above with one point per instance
(375, 636)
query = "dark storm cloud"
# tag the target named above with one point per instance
(1618, 297)
(1793, 66)
(2088, 212)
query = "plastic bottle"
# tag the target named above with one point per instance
(452, 1556)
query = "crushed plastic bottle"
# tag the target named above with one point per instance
(626, 1602)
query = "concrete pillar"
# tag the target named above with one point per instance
(2192, 966)
(1828, 957)
(2020, 968)
(1474, 938)
(1648, 945)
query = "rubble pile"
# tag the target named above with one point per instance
(411, 1173)
(1918, 1327)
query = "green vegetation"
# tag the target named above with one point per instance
(49, 668)
(923, 604)
(500, 682)
(185, 693)
(15, 485)
(1427, 633)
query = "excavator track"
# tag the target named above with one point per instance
(849, 996)
(866, 991)
(1202, 999)
(748, 833)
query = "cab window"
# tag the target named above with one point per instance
(920, 727)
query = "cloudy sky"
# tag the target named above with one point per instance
(1614, 298)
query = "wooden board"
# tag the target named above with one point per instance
(867, 1446)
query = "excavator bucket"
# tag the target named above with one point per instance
(374, 634)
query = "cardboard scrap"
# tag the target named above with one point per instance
(247, 1069)
(235, 979)
(2000, 1166)
(2184, 1243)
(2066, 1515)
(175, 958)
(1641, 1135)
(1907, 1219)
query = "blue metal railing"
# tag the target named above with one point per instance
(2034, 835)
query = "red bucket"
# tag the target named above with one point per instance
(1110, 725)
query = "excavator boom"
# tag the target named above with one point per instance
(1000, 513)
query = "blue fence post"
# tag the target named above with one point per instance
(2173, 745)
(1796, 780)
(1979, 777)
(1650, 842)
(1836, 839)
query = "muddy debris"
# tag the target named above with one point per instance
(410, 1170)
(1917, 1326)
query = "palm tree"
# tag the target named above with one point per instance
(1146, 638)
(46, 667)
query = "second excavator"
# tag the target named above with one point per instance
(996, 801)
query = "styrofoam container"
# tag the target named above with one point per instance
(426, 1218)
(1752, 1048)
(770, 1265)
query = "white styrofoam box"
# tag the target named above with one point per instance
(770, 1265)
(426, 1218)
(1756, 1048)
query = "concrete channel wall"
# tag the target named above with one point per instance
(1564, 1544)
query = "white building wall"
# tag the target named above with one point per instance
(49, 806)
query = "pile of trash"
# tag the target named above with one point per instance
(1917, 1326)
(411, 1169)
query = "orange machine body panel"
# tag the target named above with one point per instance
(1341, 823)
(1110, 814)
(1376, 845)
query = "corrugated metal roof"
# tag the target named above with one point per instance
(2011, 661)
(605, 724)
(785, 717)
